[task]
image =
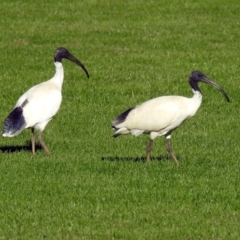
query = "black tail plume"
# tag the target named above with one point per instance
(14, 123)
(121, 118)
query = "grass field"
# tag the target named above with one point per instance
(93, 186)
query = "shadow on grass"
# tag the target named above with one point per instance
(12, 149)
(136, 159)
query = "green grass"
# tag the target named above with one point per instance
(93, 186)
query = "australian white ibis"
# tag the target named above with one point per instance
(36, 107)
(160, 116)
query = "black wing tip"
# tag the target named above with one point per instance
(115, 135)
(114, 129)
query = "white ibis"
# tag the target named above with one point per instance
(161, 115)
(36, 107)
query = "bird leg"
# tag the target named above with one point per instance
(148, 150)
(169, 149)
(33, 141)
(42, 143)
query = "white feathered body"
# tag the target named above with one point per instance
(158, 116)
(43, 102)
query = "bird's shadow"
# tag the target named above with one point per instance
(12, 149)
(136, 159)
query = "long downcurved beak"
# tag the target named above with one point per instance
(210, 82)
(73, 59)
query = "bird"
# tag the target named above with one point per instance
(37, 106)
(162, 115)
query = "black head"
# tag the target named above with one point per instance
(197, 76)
(61, 53)
(64, 53)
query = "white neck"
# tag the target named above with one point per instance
(59, 75)
(196, 101)
(197, 95)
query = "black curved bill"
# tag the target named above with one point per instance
(210, 82)
(73, 59)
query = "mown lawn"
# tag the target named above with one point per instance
(93, 186)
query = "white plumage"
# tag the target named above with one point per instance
(35, 108)
(160, 116)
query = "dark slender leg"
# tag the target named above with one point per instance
(33, 141)
(169, 149)
(148, 150)
(42, 143)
